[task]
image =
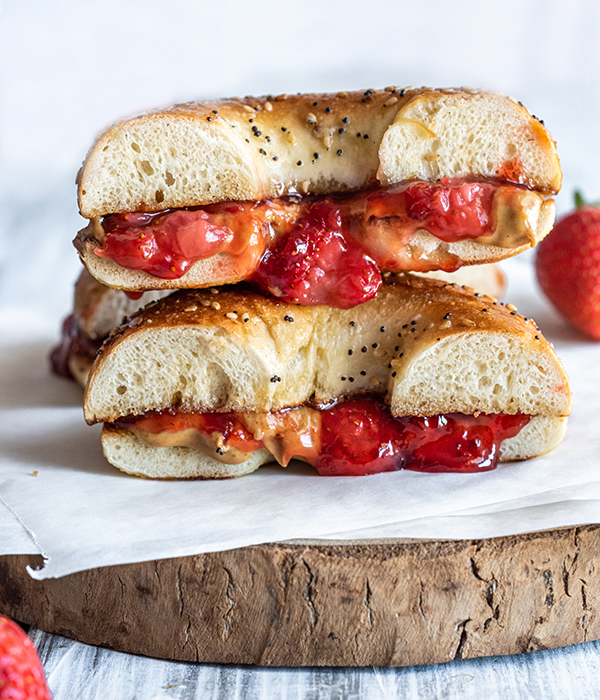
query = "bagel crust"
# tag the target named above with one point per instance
(254, 148)
(428, 346)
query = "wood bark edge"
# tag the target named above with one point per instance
(381, 603)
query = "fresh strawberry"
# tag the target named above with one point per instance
(21, 674)
(568, 267)
(317, 264)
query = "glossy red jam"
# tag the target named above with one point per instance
(310, 251)
(358, 437)
(73, 342)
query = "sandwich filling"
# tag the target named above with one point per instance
(325, 250)
(355, 437)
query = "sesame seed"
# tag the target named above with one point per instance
(275, 158)
(281, 97)
(205, 302)
(364, 348)
(447, 316)
(467, 322)
(248, 108)
(339, 152)
(343, 379)
(363, 373)
(537, 337)
(358, 134)
(328, 110)
(299, 162)
(375, 345)
(346, 120)
(342, 94)
(315, 104)
(352, 323)
(262, 151)
(214, 111)
(215, 305)
(350, 379)
(393, 374)
(390, 88)
(350, 352)
(341, 130)
(214, 290)
(366, 136)
(511, 307)
(382, 329)
(311, 119)
(191, 308)
(268, 106)
(232, 315)
(316, 155)
(274, 379)
(390, 102)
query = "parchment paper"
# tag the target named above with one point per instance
(80, 512)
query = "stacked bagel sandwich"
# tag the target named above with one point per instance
(290, 228)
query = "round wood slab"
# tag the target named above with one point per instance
(381, 603)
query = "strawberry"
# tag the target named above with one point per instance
(21, 674)
(318, 264)
(568, 267)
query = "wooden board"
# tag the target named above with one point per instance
(386, 603)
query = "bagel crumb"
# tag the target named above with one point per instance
(374, 382)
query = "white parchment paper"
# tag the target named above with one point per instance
(80, 512)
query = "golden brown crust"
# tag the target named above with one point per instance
(237, 350)
(318, 143)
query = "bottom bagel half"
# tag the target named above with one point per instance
(426, 376)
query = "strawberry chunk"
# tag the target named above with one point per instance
(318, 264)
(360, 436)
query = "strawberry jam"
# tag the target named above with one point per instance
(73, 342)
(311, 250)
(353, 438)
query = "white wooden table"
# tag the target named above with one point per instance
(76, 671)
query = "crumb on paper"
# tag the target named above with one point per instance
(35, 473)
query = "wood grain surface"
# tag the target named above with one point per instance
(373, 603)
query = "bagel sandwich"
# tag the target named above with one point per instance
(427, 375)
(310, 197)
(98, 309)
